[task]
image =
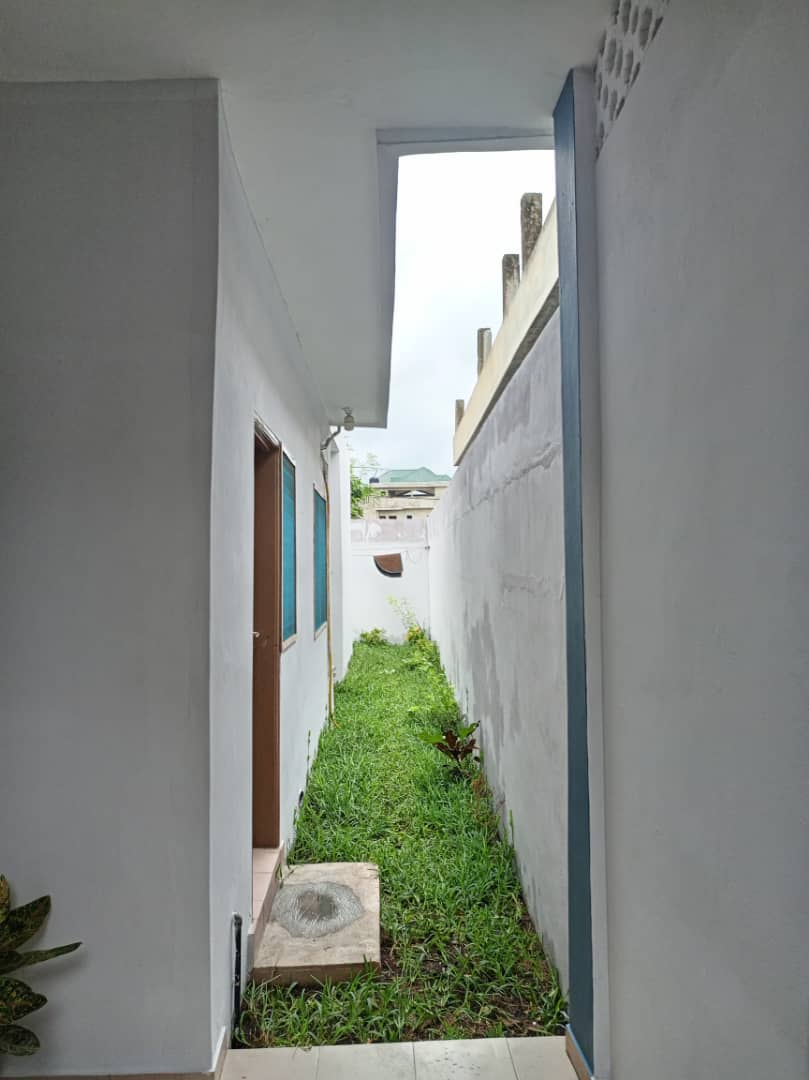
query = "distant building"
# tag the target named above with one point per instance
(405, 494)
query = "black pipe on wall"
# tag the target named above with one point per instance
(237, 975)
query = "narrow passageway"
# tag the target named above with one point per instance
(460, 958)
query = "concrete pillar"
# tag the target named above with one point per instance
(459, 410)
(484, 346)
(530, 224)
(511, 279)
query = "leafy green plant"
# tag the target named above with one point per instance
(428, 650)
(373, 637)
(17, 926)
(360, 494)
(406, 612)
(361, 490)
(424, 655)
(457, 745)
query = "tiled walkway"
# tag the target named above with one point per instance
(468, 1059)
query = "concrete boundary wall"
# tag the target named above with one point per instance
(497, 612)
(368, 593)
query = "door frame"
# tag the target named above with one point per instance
(266, 722)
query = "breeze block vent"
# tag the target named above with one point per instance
(633, 27)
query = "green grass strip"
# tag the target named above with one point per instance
(460, 956)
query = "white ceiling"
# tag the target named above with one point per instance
(308, 86)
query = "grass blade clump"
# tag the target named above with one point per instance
(460, 956)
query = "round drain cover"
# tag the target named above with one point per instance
(316, 909)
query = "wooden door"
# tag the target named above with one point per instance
(266, 644)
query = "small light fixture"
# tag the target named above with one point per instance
(348, 424)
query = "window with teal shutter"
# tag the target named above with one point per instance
(289, 622)
(321, 583)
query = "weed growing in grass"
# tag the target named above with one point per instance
(457, 745)
(406, 612)
(460, 957)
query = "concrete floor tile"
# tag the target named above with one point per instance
(380, 1061)
(279, 1063)
(464, 1059)
(541, 1058)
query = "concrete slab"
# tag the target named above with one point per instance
(543, 1058)
(463, 1059)
(280, 1063)
(323, 926)
(267, 865)
(393, 1061)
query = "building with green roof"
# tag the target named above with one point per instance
(405, 494)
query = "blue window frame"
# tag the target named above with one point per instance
(289, 599)
(321, 580)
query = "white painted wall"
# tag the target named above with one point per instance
(107, 307)
(340, 493)
(497, 612)
(260, 373)
(704, 264)
(142, 334)
(368, 592)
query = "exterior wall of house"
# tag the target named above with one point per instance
(380, 508)
(107, 306)
(143, 334)
(703, 265)
(497, 612)
(259, 374)
(369, 592)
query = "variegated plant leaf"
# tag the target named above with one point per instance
(17, 1000)
(36, 956)
(11, 960)
(17, 1040)
(5, 899)
(23, 922)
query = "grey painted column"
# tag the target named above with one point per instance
(574, 136)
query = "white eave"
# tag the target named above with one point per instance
(321, 100)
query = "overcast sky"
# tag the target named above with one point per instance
(458, 214)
